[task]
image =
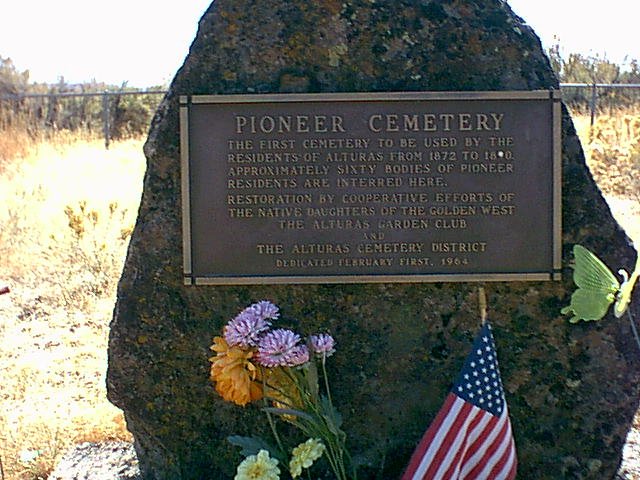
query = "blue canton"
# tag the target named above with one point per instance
(479, 382)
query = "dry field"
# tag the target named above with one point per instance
(612, 148)
(68, 207)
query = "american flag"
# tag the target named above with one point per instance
(470, 438)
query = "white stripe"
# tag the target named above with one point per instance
(507, 466)
(476, 432)
(476, 457)
(495, 458)
(429, 455)
(473, 436)
(456, 446)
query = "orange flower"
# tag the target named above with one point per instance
(235, 377)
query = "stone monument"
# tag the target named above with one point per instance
(571, 389)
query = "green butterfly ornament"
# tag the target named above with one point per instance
(598, 288)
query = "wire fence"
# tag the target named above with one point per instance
(124, 113)
(595, 98)
(113, 114)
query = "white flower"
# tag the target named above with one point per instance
(258, 467)
(304, 455)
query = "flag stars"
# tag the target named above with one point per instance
(479, 381)
(477, 385)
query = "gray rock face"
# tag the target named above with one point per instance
(571, 390)
(98, 461)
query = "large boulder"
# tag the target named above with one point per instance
(572, 389)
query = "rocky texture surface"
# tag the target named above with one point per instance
(90, 461)
(571, 390)
(98, 461)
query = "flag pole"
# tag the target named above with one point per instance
(474, 414)
(482, 301)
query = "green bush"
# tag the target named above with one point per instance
(39, 108)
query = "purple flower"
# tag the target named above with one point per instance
(265, 309)
(279, 348)
(245, 330)
(322, 345)
(298, 355)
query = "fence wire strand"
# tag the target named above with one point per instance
(122, 113)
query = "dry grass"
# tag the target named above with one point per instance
(68, 210)
(612, 148)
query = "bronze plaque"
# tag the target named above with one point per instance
(371, 187)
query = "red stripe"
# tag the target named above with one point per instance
(514, 467)
(457, 460)
(488, 453)
(498, 467)
(427, 438)
(445, 445)
(479, 442)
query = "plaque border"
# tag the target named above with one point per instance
(185, 189)
(553, 95)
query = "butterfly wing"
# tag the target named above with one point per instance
(597, 287)
(585, 305)
(591, 273)
(624, 295)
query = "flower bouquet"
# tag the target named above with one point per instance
(255, 362)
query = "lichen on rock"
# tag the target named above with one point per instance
(571, 390)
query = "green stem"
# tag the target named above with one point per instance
(341, 447)
(272, 424)
(633, 327)
(326, 379)
(321, 427)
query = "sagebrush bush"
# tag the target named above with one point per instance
(64, 230)
(613, 154)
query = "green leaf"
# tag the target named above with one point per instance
(312, 380)
(250, 445)
(289, 411)
(331, 415)
(278, 401)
